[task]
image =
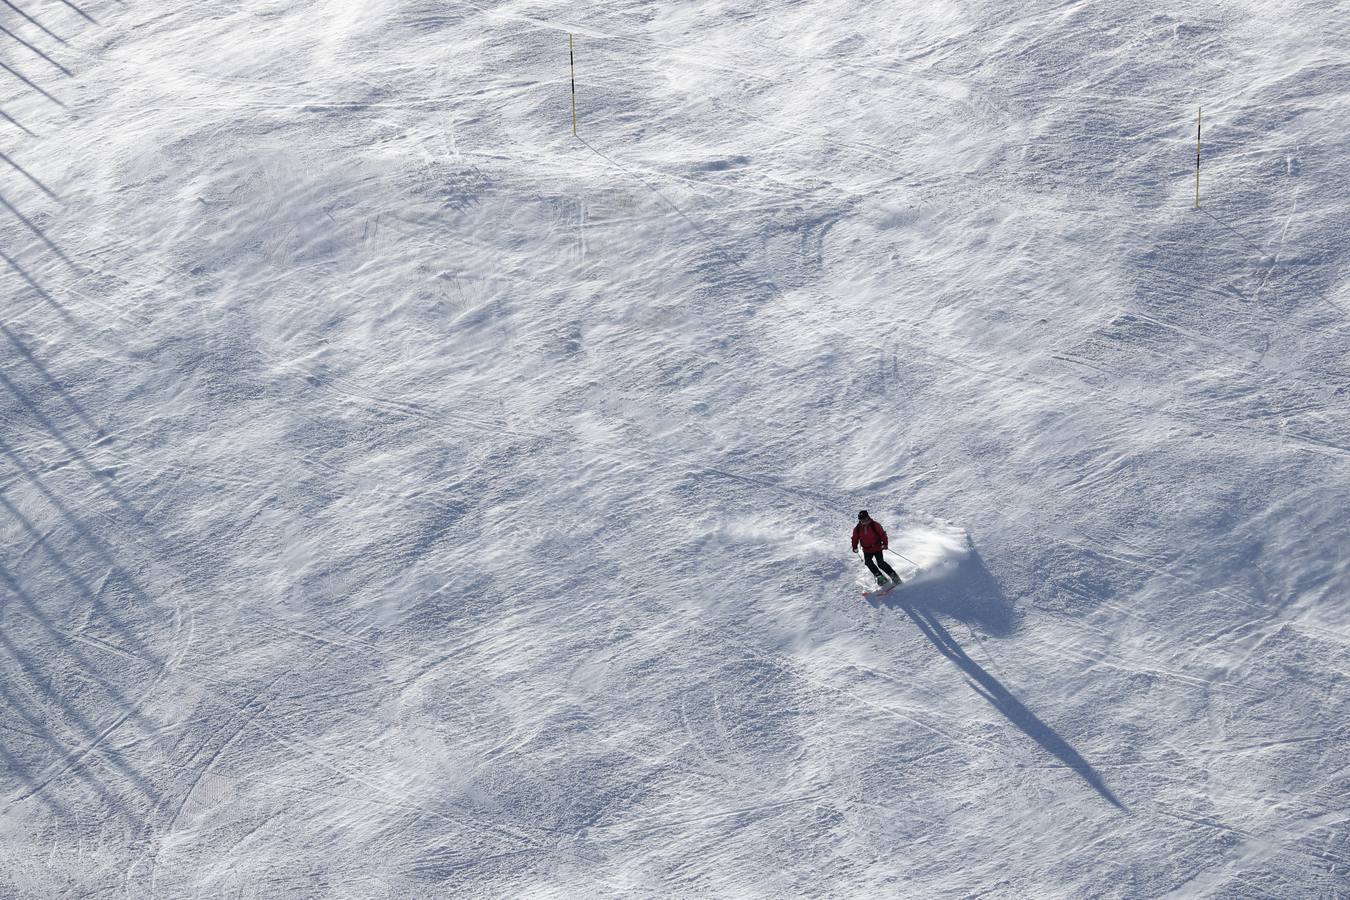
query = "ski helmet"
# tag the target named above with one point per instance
(862, 516)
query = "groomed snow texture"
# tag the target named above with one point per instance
(401, 497)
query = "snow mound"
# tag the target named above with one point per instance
(936, 551)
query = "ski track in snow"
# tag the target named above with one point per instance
(402, 497)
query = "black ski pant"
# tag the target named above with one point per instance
(874, 560)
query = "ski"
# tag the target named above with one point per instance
(882, 591)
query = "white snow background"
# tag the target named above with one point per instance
(400, 497)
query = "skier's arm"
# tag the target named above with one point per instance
(885, 541)
(855, 540)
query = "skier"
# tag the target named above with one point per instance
(873, 539)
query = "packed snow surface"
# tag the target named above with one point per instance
(403, 497)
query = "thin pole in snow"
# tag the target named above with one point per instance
(571, 57)
(1197, 156)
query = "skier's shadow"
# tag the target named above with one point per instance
(983, 602)
(969, 593)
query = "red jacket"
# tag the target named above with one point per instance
(871, 535)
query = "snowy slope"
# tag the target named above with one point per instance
(401, 497)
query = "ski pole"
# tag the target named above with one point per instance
(893, 553)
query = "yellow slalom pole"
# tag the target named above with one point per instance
(572, 58)
(1197, 156)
